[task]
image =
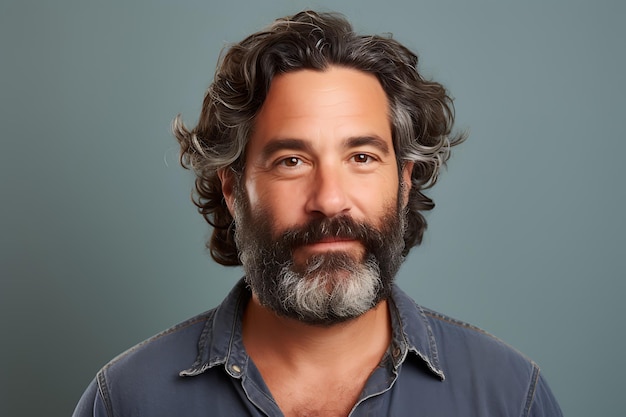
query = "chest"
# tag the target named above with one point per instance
(413, 391)
(321, 398)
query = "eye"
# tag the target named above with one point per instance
(362, 158)
(290, 162)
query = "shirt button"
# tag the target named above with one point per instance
(396, 353)
(236, 369)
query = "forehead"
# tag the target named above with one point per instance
(336, 103)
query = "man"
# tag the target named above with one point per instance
(312, 152)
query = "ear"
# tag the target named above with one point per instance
(405, 177)
(227, 178)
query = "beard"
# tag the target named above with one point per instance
(330, 287)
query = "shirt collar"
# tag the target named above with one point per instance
(412, 333)
(221, 341)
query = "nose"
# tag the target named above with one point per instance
(328, 194)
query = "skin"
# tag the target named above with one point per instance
(322, 146)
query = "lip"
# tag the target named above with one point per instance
(329, 244)
(333, 239)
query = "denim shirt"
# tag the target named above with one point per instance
(435, 366)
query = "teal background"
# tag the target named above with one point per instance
(100, 246)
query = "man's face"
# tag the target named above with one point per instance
(317, 209)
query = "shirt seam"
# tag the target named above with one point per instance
(156, 337)
(103, 391)
(462, 324)
(530, 396)
(202, 341)
(231, 341)
(428, 352)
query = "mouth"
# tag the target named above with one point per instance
(332, 244)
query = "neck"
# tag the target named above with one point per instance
(269, 337)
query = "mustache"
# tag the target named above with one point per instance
(342, 227)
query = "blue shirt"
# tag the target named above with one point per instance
(435, 366)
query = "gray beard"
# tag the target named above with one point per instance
(323, 295)
(319, 295)
(330, 288)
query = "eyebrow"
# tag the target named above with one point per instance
(302, 145)
(375, 141)
(284, 144)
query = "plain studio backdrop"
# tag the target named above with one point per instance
(101, 246)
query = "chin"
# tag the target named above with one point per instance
(314, 260)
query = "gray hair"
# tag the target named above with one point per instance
(421, 112)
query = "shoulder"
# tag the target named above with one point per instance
(469, 353)
(475, 360)
(447, 342)
(153, 377)
(456, 337)
(148, 368)
(174, 347)
(473, 364)
(146, 376)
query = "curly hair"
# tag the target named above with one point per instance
(421, 112)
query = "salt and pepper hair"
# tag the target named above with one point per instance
(421, 112)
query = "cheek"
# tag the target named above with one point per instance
(281, 201)
(260, 193)
(377, 194)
